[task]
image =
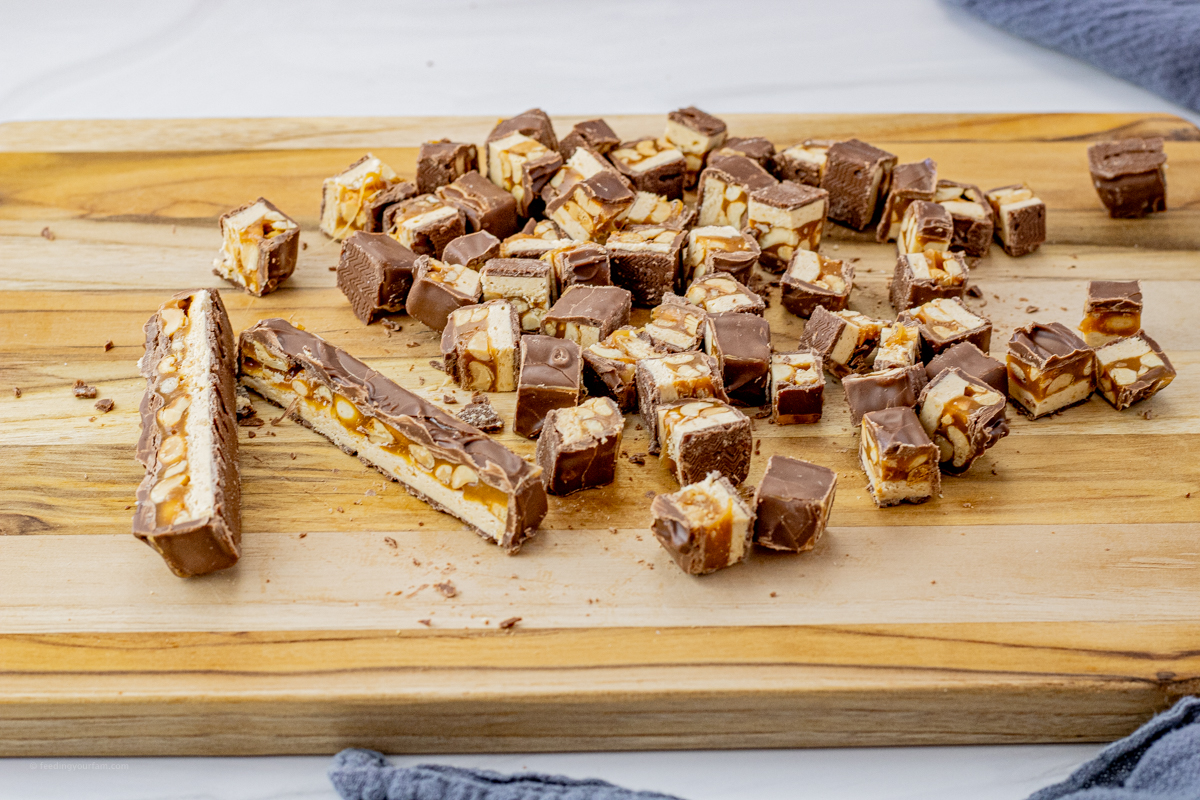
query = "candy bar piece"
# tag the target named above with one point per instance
(584, 163)
(696, 134)
(479, 347)
(962, 416)
(551, 377)
(856, 176)
(899, 345)
(721, 293)
(443, 161)
(944, 322)
(792, 503)
(346, 197)
(189, 503)
(679, 376)
(920, 277)
(591, 210)
(1020, 218)
(725, 188)
(916, 181)
(900, 460)
(972, 216)
(718, 248)
(705, 526)
(813, 280)
(891, 388)
(786, 218)
(797, 387)
(535, 240)
(486, 206)
(579, 264)
(587, 314)
(524, 282)
(654, 209)
(452, 466)
(425, 224)
(579, 445)
(651, 165)
(383, 202)
(803, 163)
(521, 166)
(439, 288)
(741, 344)
(594, 134)
(1049, 368)
(752, 147)
(645, 260)
(1132, 369)
(973, 363)
(610, 366)
(676, 325)
(925, 226)
(473, 250)
(481, 414)
(534, 123)
(259, 247)
(844, 339)
(702, 436)
(1113, 310)
(1130, 176)
(375, 273)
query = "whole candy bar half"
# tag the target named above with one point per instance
(705, 526)
(676, 325)
(696, 134)
(972, 216)
(486, 206)
(347, 198)
(702, 436)
(899, 345)
(425, 224)
(521, 166)
(452, 466)
(189, 503)
(1113, 310)
(741, 344)
(587, 314)
(721, 293)
(900, 460)
(973, 363)
(473, 250)
(645, 260)
(792, 504)
(259, 247)
(963, 417)
(579, 445)
(443, 161)
(439, 288)
(579, 264)
(375, 273)
(752, 147)
(925, 226)
(594, 134)
(813, 280)
(589, 212)
(921, 277)
(797, 387)
(725, 187)
(844, 339)
(1020, 218)
(679, 376)
(1049, 368)
(856, 176)
(535, 240)
(524, 282)
(551, 377)
(479, 347)
(1130, 176)
(655, 209)
(1132, 369)
(718, 248)
(651, 165)
(890, 388)
(916, 181)
(786, 218)
(944, 322)
(610, 366)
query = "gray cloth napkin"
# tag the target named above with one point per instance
(1153, 43)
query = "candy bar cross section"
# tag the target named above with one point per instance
(963, 417)
(899, 345)
(347, 198)
(944, 322)
(898, 457)
(705, 526)
(972, 216)
(786, 218)
(679, 376)
(1020, 218)
(813, 280)
(587, 314)
(425, 224)
(479, 346)
(721, 293)
(797, 387)
(1131, 370)
(651, 165)
(610, 366)
(645, 260)
(921, 277)
(704, 435)
(1049, 368)
(259, 246)
(527, 283)
(803, 163)
(676, 325)
(718, 248)
(916, 181)
(725, 187)
(844, 339)
(1113, 310)
(439, 288)
(578, 446)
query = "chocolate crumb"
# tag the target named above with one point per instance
(638, 458)
(449, 399)
(637, 426)
(83, 391)
(251, 422)
(651, 493)
(293, 456)
(1031, 309)
(390, 542)
(17, 391)
(333, 269)
(437, 364)
(510, 622)
(105, 405)
(774, 594)
(427, 623)
(391, 325)
(109, 345)
(304, 245)
(128, 507)
(48, 235)
(480, 413)
(249, 434)
(757, 446)
(291, 407)
(341, 510)
(974, 291)
(447, 589)
(416, 563)
(303, 535)
(1148, 414)
(411, 344)
(763, 413)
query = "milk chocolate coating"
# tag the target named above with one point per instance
(848, 175)
(752, 147)
(551, 377)
(972, 362)
(584, 464)
(665, 179)
(821, 334)
(901, 438)
(1129, 175)
(907, 291)
(437, 163)
(739, 170)
(587, 264)
(801, 298)
(971, 235)
(741, 344)
(915, 181)
(431, 240)
(725, 449)
(375, 273)
(802, 405)
(592, 133)
(486, 206)
(893, 388)
(416, 419)
(932, 344)
(378, 205)
(431, 302)
(649, 394)
(700, 121)
(796, 170)
(533, 123)
(276, 256)
(674, 532)
(985, 425)
(473, 250)
(604, 307)
(1027, 227)
(453, 336)
(535, 175)
(199, 546)
(1046, 344)
(605, 377)
(932, 221)
(1116, 297)
(1147, 384)
(648, 275)
(792, 504)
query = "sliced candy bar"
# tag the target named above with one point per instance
(891, 388)
(1113, 310)
(1049, 368)
(705, 526)
(375, 273)
(439, 288)
(696, 134)
(844, 339)
(654, 209)
(579, 264)
(679, 376)
(1020, 218)
(721, 293)
(972, 216)
(534, 123)
(925, 226)
(916, 181)
(425, 224)
(346, 197)
(587, 314)
(479, 347)
(856, 176)
(1131, 370)
(973, 363)
(578, 446)
(551, 377)
(962, 416)
(792, 504)
(797, 387)
(702, 436)
(189, 503)
(443, 161)
(725, 187)
(718, 248)
(259, 245)
(1130, 176)
(899, 345)
(651, 165)
(900, 460)
(452, 466)
(645, 260)
(486, 206)
(381, 204)
(589, 212)
(535, 240)
(741, 344)
(921, 277)
(521, 166)
(786, 218)
(594, 134)
(803, 163)
(610, 366)
(676, 325)
(753, 147)
(944, 322)
(813, 280)
(473, 250)
(583, 164)
(524, 282)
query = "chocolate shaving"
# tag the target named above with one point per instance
(638, 458)
(251, 422)
(1031, 309)
(390, 542)
(303, 245)
(509, 623)
(105, 405)
(449, 399)
(391, 325)
(109, 345)
(426, 622)
(48, 234)
(447, 589)
(437, 364)
(974, 291)
(291, 407)
(16, 391)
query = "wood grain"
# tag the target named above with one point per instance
(1049, 595)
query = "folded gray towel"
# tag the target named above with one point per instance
(1153, 43)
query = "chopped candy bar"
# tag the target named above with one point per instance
(610, 366)
(695, 134)
(521, 166)
(892, 388)
(676, 325)
(962, 416)
(1020, 218)
(678, 376)
(578, 446)
(721, 293)
(925, 226)
(753, 147)
(804, 163)
(588, 314)
(972, 216)
(844, 339)
(900, 460)
(479, 347)
(486, 206)
(473, 250)
(705, 526)
(971, 360)
(917, 181)
(792, 504)
(786, 218)
(725, 187)
(813, 280)
(652, 165)
(551, 377)
(346, 198)
(579, 264)
(718, 249)
(741, 344)
(439, 288)
(375, 273)
(945, 322)
(702, 436)
(533, 123)
(590, 211)
(583, 164)
(645, 260)
(1049, 368)
(920, 277)
(797, 387)
(379, 205)
(535, 240)
(442, 162)
(1130, 176)
(1131, 370)
(425, 224)
(259, 247)
(524, 282)
(654, 209)
(1113, 310)
(594, 134)
(856, 176)
(899, 345)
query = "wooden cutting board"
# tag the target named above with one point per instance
(1053, 594)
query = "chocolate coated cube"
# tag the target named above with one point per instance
(1130, 176)
(786, 218)
(792, 504)
(1020, 218)
(813, 280)
(578, 446)
(718, 248)
(705, 526)
(921, 277)
(856, 176)
(676, 325)
(479, 346)
(973, 363)
(645, 260)
(439, 288)
(702, 436)
(425, 224)
(651, 165)
(473, 250)
(1113, 310)
(610, 366)
(442, 162)
(944, 322)
(375, 273)
(721, 293)
(725, 187)
(588, 314)
(679, 376)
(1132, 369)
(900, 460)
(844, 339)
(797, 387)
(551, 377)
(963, 417)
(925, 226)
(1049, 368)
(916, 181)
(890, 388)
(972, 216)
(486, 206)
(741, 343)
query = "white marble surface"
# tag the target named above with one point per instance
(167, 58)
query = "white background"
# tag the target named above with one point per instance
(168, 58)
